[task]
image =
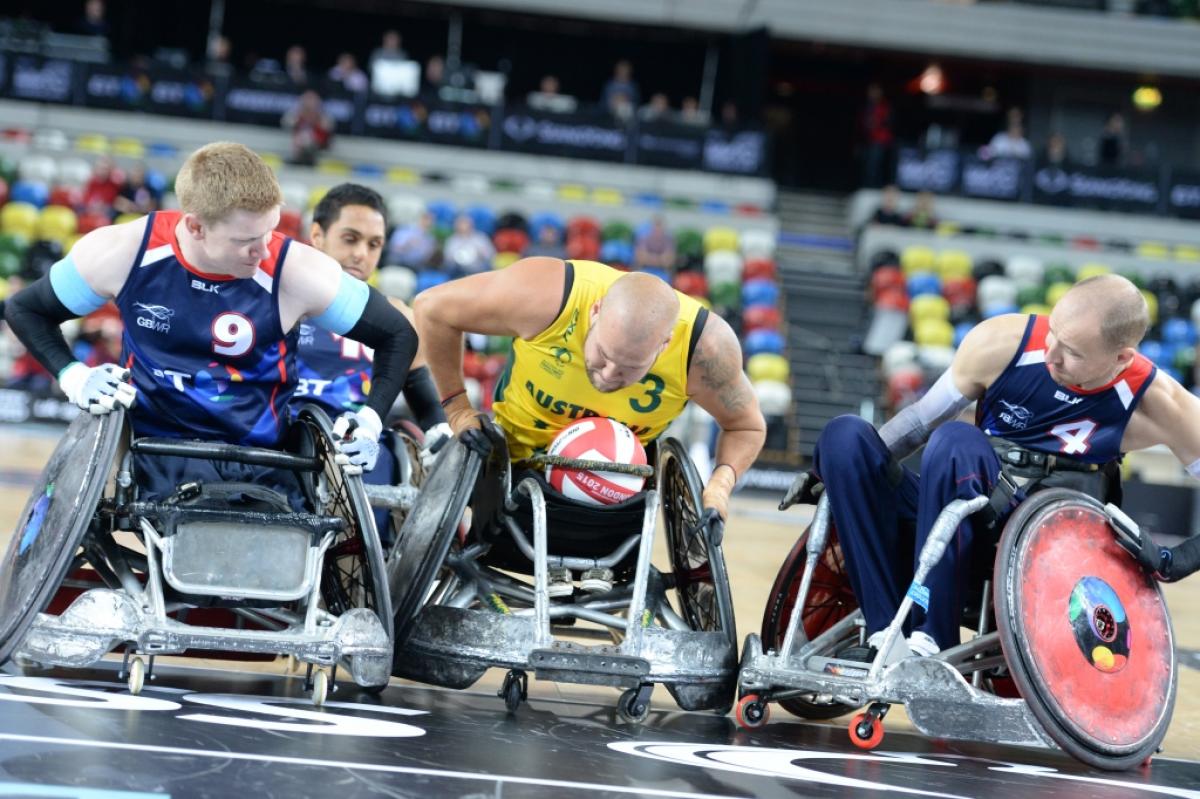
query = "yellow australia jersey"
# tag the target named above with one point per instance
(546, 386)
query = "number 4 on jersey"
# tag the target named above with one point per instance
(1074, 436)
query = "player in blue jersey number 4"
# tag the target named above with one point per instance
(1062, 396)
(212, 298)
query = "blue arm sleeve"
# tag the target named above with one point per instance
(72, 290)
(347, 306)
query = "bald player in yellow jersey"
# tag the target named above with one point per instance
(590, 340)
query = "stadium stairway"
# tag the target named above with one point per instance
(826, 317)
(827, 314)
(813, 231)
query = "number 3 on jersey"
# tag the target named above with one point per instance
(1074, 436)
(232, 334)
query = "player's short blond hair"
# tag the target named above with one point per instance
(224, 177)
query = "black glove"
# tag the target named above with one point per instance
(711, 526)
(805, 489)
(483, 439)
(1153, 558)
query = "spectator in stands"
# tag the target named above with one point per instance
(136, 196)
(347, 73)
(311, 127)
(1011, 142)
(1056, 151)
(888, 212)
(467, 251)
(657, 110)
(548, 98)
(389, 49)
(218, 62)
(548, 245)
(877, 136)
(1112, 141)
(295, 65)
(690, 113)
(93, 21)
(435, 75)
(729, 115)
(922, 214)
(621, 107)
(413, 245)
(103, 186)
(656, 249)
(621, 84)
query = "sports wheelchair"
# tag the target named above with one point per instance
(464, 602)
(111, 569)
(1073, 645)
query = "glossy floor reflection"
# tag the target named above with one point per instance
(200, 732)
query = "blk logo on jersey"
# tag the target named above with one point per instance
(1015, 416)
(156, 318)
(211, 288)
(1063, 396)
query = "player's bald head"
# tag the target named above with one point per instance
(1115, 304)
(640, 308)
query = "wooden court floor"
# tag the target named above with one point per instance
(757, 539)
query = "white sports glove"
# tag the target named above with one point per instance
(97, 389)
(357, 437)
(436, 437)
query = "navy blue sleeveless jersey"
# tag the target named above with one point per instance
(208, 354)
(334, 371)
(1025, 406)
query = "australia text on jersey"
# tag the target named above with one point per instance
(561, 407)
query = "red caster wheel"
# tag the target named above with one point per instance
(866, 731)
(752, 712)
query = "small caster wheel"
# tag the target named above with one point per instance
(320, 687)
(866, 731)
(634, 705)
(137, 675)
(752, 712)
(515, 689)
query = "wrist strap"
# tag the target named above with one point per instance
(729, 467)
(450, 397)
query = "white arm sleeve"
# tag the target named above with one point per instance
(911, 428)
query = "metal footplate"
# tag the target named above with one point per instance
(595, 665)
(101, 619)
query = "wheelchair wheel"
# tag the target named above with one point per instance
(830, 600)
(697, 565)
(56, 518)
(1085, 632)
(353, 573)
(424, 541)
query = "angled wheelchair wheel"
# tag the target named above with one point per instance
(698, 566)
(54, 522)
(353, 574)
(424, 540)
(830, 600)
(1085, 632)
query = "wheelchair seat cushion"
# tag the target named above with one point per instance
(231, 496)
(574, 529)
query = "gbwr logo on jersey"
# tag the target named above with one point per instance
(1015, 416)
(160, 321)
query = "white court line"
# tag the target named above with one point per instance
(300, 761)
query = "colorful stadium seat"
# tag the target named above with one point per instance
(720, 238)
(760, 292)
(758, 244)
(34, 193)
(505, 259)
(397, 281)
(1092, 270)
(511, 240)
(953, 263)
(759, 269)
(767, 366)
(19, 218)
(917, 259)
(928, 306)
(56, 223)
(774, 397)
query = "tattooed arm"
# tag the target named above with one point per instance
(717, 384)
